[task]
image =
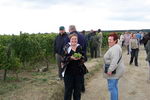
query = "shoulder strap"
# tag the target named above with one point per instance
(119, 59)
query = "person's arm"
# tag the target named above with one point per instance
(130, 45)
(114, 56)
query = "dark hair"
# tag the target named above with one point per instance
(99, 30)
(113, 34)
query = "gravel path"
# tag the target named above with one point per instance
(134, 85)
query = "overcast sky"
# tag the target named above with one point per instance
(47, 15)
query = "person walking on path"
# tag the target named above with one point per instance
(100, 40)
(60, 41)
(113, 65)
(73, 73)
(134, 49)
(127, 37)
(121, 40)
(147, 48)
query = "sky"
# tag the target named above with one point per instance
(35, 16)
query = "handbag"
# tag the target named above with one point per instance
(107, 67)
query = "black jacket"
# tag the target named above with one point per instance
(74, 67)
(60, 42)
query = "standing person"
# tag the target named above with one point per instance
(60, 41)
(134, 49)
(82, 42)
(93, 44)
(145, 39)
(88, 37)
(122, 39)
(127, 37)
(147, 48)
(83, 32)
(100, 37)
(138, 36)
(73, 77)
(113, 58)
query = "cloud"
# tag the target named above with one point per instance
(48, 15)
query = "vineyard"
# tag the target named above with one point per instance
(25, 51)
(28, 51)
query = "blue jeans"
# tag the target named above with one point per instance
(113, 88)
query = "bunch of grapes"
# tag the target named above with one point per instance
(77, 55)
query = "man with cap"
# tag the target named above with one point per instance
(60, 41)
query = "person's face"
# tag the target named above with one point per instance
(111, 41)
(74, 40)
(134, 36)
(61, 31)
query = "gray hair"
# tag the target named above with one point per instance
(72, 28)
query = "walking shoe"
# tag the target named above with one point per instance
(136, 65)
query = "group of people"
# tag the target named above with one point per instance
(70, 50)
(132, 41)
(94, 42)
(71, 67)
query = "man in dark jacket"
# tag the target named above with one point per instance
(93, 42)
(60, 41)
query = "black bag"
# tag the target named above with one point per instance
(84, 70)
(107, 67)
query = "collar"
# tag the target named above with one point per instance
(69, 48)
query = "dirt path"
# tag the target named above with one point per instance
(132, 86)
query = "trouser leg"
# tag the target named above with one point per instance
(69, 84)
(98, 51)
(113, 88)
(95, 52)
(149, 70)
(136, 57)
(132, 56)
(58, 59)
(128, 49)
(92, 52)
(83, 85)
(77, 87)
